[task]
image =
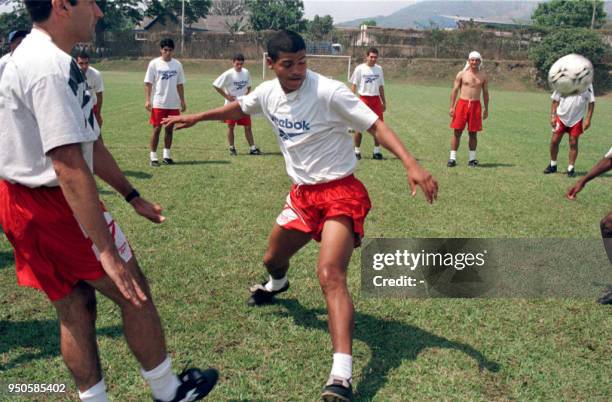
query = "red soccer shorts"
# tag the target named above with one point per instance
(309, 206)
(467, 112)
(574, 131)
(158, 114)
(374, 103)
(52, 252)
(245, 121)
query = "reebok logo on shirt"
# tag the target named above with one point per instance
(370, 78)
(288, 124)
(240, 84)
(166, 75)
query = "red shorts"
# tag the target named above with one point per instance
(309, 206)
(52, 252)
(374, 103)
(245, 121)
(467, 112)
(574, 131)
(158, 114)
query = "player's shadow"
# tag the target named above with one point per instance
(6, 258)
(494, 165)
(24, 341)
(201, 162)
(390, 342)
(137, 174)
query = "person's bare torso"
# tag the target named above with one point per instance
(471, 84)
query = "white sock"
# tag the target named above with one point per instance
(276, 284)
(342, 366)
(472, 155)
(453, 155)
(97, 393)
(153, 155)
(167, 153)
(553, 163)
(357, 150)
(162, 381)
(376, 150)
(253, 147)
(570, 167)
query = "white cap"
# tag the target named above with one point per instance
(474, 55)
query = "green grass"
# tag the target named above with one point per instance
(220, 209)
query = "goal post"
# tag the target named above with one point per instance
(324, 64)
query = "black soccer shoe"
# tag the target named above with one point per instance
(550, 169)
(473, 163)
(337, 390)
(606, 298)
(233, 151)
(195, 385)
(255, 151)
(377, 156)
(260, 295)
(571, 173)
(168, 161)
(154, 163)
(358, 155)
(451, 163)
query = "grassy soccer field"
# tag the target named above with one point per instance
(219, 210)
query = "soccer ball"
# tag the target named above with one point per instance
(571, 74)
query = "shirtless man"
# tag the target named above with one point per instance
(471, 81)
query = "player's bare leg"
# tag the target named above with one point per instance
(573, 155)
(555, 140)
(606, 235)
(472, 144)
(168, 135)
(248, 134)
(154, 144)
(357, 137)
(454, 146)
(230, 139)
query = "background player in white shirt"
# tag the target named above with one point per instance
(14, 39)
(310, 116)
(94, 83)
(368, 82)
(567, 115)
(231, 84)
(164, 95)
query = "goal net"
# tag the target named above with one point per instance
(332, 66)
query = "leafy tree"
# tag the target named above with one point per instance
(370, 23)
(194, 9)
(276, 14)
(436, 38)
(320, 27)
(18, 18)
(570, 13)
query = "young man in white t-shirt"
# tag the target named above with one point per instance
(310, 116)
(368, 82)
(164, 95)
(231, 84)
(567, 115)
(65, 242)
(14, 40)
(94, 83)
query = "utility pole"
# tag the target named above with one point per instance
(593, 16)
(183, 29)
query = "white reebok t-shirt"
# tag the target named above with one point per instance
(233, 82)
(165, 76)
(368, 79)
(44, 104)
(311, 125)
(3, 60)
(94, 83)
(572, 108)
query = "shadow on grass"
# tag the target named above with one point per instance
(494, 165)
(201, 162)
(137, 175)
(391, 342)
(6, 258)
(38, 339)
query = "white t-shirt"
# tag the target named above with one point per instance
(3, 60)
(44, 104)
(311, 125)
(368, 79)
(233, 82)
(165, 76)
(94, 83)
(609, 154)
(572, 108)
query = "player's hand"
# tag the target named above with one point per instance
(148, 105)
(100, 120)
(586, 125)
(451, 112)
(485, 114)
(573, 191)
(417, 176)
(148, 209)
(183, 106)
(384, 105)
(117, 271)
(231, 98)
(181, 121)
(553, 122)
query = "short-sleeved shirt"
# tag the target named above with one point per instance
(165, 76)
(609, 154)
(44, 104)
(94, 83)
(368, 79)
(572, 108)
(3, 60)
(311, 125)
(234, 83)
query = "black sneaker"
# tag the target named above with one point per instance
(195, 384)
(337, 390)
(606, 298)
(154, 163)
(571, 173)
(233, 151)
(451, 163)
(260, 295)
(550, 169)
(358, 155)
(377, 156)
(473, 163)
(255, 151)
(168, 161)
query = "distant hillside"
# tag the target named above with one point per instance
(421, 14)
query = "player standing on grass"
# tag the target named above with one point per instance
(231, 84)
(165, 81)
(567, 114)
(470, 82)
(368, 82)
(95, 84)
(310, 115)
(65, 242)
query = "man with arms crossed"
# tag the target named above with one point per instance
(94, 84)
(471, 81)
(310, 115)
(65, 242)
(164, 80)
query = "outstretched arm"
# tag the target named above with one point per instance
(601, 167)
(231, 111)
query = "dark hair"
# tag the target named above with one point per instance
(284, 41)
(166, 42)
(13, 36)
(40, 10)
(372, 50)
(238, 56)
(82, 55)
